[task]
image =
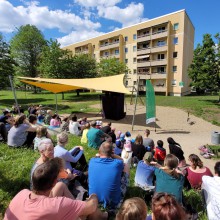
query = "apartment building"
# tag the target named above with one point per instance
(159, 49)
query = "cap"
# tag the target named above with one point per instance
(128, 134)
(122, 136)
(127, 146)
(148, 157)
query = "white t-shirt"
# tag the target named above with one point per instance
(74, 127)
(211, 187)
(127, 160)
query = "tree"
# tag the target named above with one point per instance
(6, 63)
(204, 71)
(111, 66)
(217, 36)
(26, 47)
(55, 62)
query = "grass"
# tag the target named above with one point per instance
(206, 107)
(15, 166)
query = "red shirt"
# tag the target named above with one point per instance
(195, 179)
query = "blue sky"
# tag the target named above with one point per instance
(71, 21)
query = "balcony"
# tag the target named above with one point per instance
(110, 56)
(157, 49)
(82, 51)
(159, 34)
(161, 75)
(160, 88)
(143, 37)
(158, 62)
(144, 76)
(109, 45)
(143, 63)
(143, 51)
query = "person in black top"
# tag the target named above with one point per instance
(176, 150)
(106, 129)
(138, 148)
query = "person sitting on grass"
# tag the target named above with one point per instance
(37, 204)
(132, 209)
(17, 135)
(160, 152)
(55, 121)
(166, 207)
(138, 149)
(126, 154)
(95, 136)
(48, 117)
(108, 177)
(46, 150)
(41, 133)
(148, 142)
(74, 126)
(71, 157)
(211, 191)
(84, 139)
(196, 171)
(145, 172)
(168, 178)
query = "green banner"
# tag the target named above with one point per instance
(150, 103)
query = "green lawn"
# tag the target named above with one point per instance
(206, 107)
(15, 166)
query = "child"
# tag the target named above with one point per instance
(128, 136)
(119, 144)
(160, 152)
(41, 133)
(84, 139)
(55, 122)
(126, 153)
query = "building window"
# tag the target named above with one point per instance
(126, 60)
(116, 52)
(126, 83)
(134, 71)
(134, 60)
(175, 40)
(126, 49)
(161, 29)
(134, 36)
(94, 46)
(173, 82)
(161, 69)
(134, 48)
(175, 54)
(174, 68)
(161, 43)
(161, 56)
(135, 83)
(176, 26)
(106, 53)
(126, 38)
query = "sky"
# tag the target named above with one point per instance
(71, 21)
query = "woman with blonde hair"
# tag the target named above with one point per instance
(17, 135)
(168, 178)
(132, 209)
(196, 171)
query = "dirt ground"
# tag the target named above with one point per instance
(190, 132)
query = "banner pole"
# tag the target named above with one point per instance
(14, 93)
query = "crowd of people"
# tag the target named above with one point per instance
(64, 185)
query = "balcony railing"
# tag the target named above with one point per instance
(103, 45)
(159, 32)
(143, 35)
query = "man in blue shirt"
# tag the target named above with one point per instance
(95, 136)
(105, 175)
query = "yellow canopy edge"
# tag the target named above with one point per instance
(109, 83)
(54, 88)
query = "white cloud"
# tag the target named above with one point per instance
(42, 17)
(76, 36)
(132, 14)
(95, 3)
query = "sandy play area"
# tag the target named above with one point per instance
(171, 122)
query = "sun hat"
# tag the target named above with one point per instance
(127, 146)
(148, 157)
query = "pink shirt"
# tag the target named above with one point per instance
(54, 122)
(44, 208)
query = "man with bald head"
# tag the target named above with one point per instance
(105, 176)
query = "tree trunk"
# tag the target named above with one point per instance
(77, 92)
(62, 95)
(35, 90)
